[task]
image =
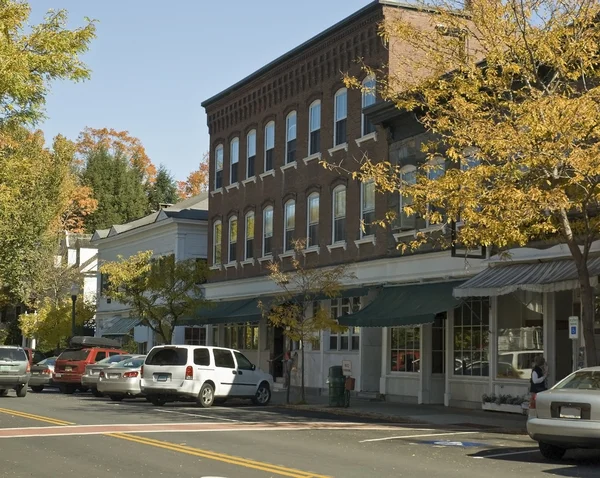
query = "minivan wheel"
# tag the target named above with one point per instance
(157, 401)
(263, 395)
(37, 388)
(552, 452)
(22, 391)
(206, 397)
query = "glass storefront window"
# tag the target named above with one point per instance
(520, 333)
(405, 344)
(471, 337)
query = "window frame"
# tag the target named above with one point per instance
(310, 197)
(484, 330)
(250, 159)
(338, 308)
(405, 201)
(416, 331)
(288, 244)
(367, 227)
(266, 210)
(231, 243)
(336, 190)
(369, 98)
(234, 159)
(219, 244)
(270, 124)
(337, 119)
(246, 238)
(291, 142)
(219, 160)
(314, 143)
(193, 331)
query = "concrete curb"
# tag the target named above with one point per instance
(348, 412)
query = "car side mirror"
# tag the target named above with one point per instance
(253, 367)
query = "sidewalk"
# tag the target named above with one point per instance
(434, 415)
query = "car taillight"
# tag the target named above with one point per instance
(189, 373)
(532, 401)
(28, 368)
(130, 374)
(47, 371)
(102, 375)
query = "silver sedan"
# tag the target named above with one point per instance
(122, 379)
(568, 415)
(92, 371)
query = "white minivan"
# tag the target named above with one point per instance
(202, 374)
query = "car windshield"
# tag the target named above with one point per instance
(48, 361)
(113, 359)
(582, 380)
(130, 363)
(12, 355)
(167, 356)
(74, 354)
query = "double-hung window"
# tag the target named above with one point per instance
(314, 128)
(341, 115)
(339, 214)
(290, 224)
(408, 176)
(250, 153)
(217, 242)
(233, 232)
(290, 140)
(234, 154)
(368, 99)
(249, 251)
(368, 208)
(269, 146)
(219, 167)
(349, 340)
(312, 234)
(268, 231)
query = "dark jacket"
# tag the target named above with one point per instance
(537, 387)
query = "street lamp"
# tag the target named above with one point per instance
(74, 294)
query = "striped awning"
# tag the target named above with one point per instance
(121, 326)
(549, 276)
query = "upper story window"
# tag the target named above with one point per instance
(469, 159)
(217, 243)
(250, 153)
(290, 224)
(339, 214)
(314, 128)
(269, 146)
(268, 231)
(368, 208)
(312, 234)
(234, 154)
(233, 233)
(290, 138)
(219, 167)
(368, 98)
(409, 178)
(340, 116)
(249, 248)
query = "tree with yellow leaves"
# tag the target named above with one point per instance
(509, 91)
(196, 182)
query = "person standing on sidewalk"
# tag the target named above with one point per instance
(539, 375)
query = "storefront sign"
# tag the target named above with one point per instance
(573, 327)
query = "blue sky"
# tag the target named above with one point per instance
(154, 62)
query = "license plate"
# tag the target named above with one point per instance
(162, 378)
(35, 373)
(114, 375)
(5, 368)
(570, 412)
(58, 375)
(68, 369)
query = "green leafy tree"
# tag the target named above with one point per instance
(159, 291)
(163, 190)
(292, 308)
(520, 131)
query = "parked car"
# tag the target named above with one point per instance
(15, 370)
(70, 364)
(41, 375)
(122, 379)
(92, 371)
(35, 356)
(202, 374)
(568, 415)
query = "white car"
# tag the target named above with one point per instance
(202, 374)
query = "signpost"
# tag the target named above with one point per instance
(574, 327)
(347, 367)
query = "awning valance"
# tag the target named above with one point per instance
(121, 326)
(403, 306)
(550, 276)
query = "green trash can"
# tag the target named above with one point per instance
(337, 383)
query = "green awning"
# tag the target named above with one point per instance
(122, 326)
(403, 306)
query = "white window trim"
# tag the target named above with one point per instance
(249, 213)
(266, 258)
(362, 104)
(216, 267)
(216, 191)
(366, 240)
(368, 137)
(231, 219)
(310, 130)
(265, 154)
(293, 164)
(409, 168)
(287, 254)
(230, 265)
(268, 173)
(362, 214)
(232, 186)
(335, 118)
(337, 148)
(214, 249)
(334, 242)
(248, 262)
(231, 163)
(291, 201)
(311, 195)
(311, 250)
(312, 157)
(251, 179)
(426, 230)
(219, 147)
(337, 245)
(287, 132)
(248, 156)
(262, 242)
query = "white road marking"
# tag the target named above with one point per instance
(506, 454)
(197, 415)
(417, 436)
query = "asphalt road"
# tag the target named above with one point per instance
(51, 435)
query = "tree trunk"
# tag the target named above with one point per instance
(288, 378)
(302, 372)
(587, 320)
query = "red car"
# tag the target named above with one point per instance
(70, 365)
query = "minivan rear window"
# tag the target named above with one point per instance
(167, 356)
(13, 355)
(74, 354)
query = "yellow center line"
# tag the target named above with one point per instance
(31, 416)
(234, 460)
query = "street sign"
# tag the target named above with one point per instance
(574, 327)
(347, 367)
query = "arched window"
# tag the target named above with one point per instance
(367, 209)
(249, 232)
(233, 233)
(217, 243)
(289, 225)
(312, 233)
(269, 146)
(314, 127)
(340, 116)
(250, 153)
(234, 155)
(339, 214)
(290, 138)
(368, 98)
(267, 248)
(219, 167)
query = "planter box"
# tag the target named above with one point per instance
(494, 407)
